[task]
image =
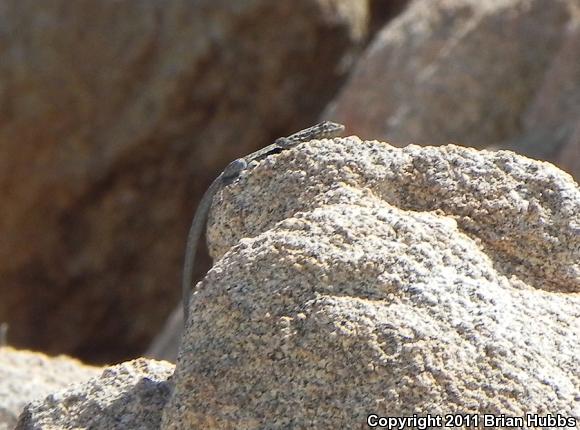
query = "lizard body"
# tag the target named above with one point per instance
(322, 130)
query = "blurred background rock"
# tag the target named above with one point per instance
(116, 115)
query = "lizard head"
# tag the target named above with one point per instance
(233, 169)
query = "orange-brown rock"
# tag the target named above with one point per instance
(113, 118)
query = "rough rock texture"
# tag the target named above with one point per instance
(27, 375)
(498, 73)
(355, 277)
(127, 396)
(114, 115)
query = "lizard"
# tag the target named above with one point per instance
(325, 129)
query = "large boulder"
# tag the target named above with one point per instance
(483, 73)
(353, 277)
(356, 278)
(553, 119)
(114, 116)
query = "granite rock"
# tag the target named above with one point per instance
(27, 375)
(353, 277)
(554, 115)
(500, 74)
(127, 396)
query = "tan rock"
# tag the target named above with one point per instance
(127, 396)
(26, 376)
(555, 113)
(484, 73)
(113, 118)
(354, 278)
